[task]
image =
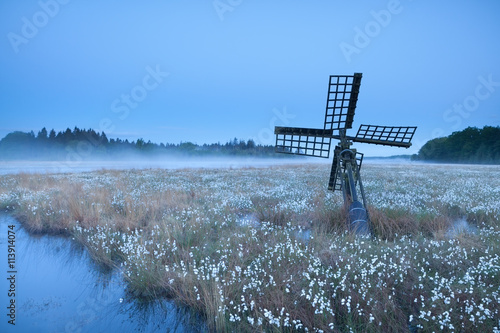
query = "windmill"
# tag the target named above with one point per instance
(345, 174)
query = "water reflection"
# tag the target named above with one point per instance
(60, 289)
(252, 220)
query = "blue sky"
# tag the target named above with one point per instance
(210, 71)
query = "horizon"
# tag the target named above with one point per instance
(205, 73)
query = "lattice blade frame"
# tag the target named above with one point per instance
(335, 182)
(303, 141)
(396, 136)
(341, 101)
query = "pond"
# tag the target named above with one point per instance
(58, 288)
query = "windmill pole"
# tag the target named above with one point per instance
(357, 213)
(362, 190)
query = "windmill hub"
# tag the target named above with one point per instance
(345, 175)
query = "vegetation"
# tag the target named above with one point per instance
(78, 144)
(268, 250)
(472, 145)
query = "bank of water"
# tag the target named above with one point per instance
(58, 288)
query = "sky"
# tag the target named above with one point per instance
(213, 70)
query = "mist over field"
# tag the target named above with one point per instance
(11, 167)
(133, 161)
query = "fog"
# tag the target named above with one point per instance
(13, 167)
(133, 162)
(387, 160)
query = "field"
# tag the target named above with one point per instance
(266, 249)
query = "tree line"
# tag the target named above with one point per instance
(89, 144)
(472, 145)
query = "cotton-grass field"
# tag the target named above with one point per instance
(267, 249)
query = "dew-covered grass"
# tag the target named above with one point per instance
(267, 249)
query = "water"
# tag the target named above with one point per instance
(461, 226)
(58, 288)
(253, 221)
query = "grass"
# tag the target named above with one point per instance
(177, 234)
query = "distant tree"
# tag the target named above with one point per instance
(471, 145)
(42, 135)
(67, 136)
(55, 145)
(140, 143)
(104, 138)
(18, 145)
(251, 144)
(52, 135)
(150, 145)
(187, 146)
(78, 134)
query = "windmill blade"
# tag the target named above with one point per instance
(341, 102)
(396, 136)
(335, 183)
(303, 141)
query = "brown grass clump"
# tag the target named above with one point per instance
(436, 226)
(268, 210)
(54, 204)
(389, 224)
(328, 217)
